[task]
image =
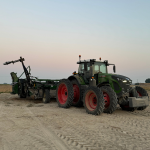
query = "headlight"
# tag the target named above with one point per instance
(125, 81)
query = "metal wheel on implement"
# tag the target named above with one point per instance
(21, 89)
(46, 96)
(93, 100)
(64, 93)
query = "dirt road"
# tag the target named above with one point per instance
(27, 124)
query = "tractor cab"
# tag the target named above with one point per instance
(91, 68)
(98, 67)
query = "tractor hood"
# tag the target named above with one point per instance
(122, 82)
(121, 77)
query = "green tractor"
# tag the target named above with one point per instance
(98, 90)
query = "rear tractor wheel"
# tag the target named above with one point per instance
(93, 100)
(64, 93)
(78, 94)
(110, 99)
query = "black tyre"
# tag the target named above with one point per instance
(21, 89)
(64, 93)
(93, 100)
(135, 92)
(126, 107)
(125, 102)
(141, 92)
(78, 94)
(110, 99)
(46, 96)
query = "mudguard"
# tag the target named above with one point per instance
(78, 78)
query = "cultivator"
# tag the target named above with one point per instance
(93, 87)
(31, 86)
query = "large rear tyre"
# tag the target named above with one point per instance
(64, 93)
(78, 94)
(110, 99)
(93, 100)
(141, 92)
(46, 96)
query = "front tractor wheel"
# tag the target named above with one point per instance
(125, 102)
(141, 92)
(110, 98)
(64, 93)
(135, 92)
(93, 100)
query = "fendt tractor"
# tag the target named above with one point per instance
(31, 86)
(98, 90)
(93, 87)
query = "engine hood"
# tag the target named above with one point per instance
(121, 77)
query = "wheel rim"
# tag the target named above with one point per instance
(91, 101)
(139, 94)
(62, 93)
(107, 100)
(76, 93)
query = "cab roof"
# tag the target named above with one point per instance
(88, 60)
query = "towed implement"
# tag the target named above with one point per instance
(92, 87)
(31, 86)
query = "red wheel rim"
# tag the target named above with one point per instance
(62, 93)
(76, 93)
(139, 94)
(91, 100)
(107, 100)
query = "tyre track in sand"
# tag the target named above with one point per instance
(19, 136)
(58, 143)
(122, 131)
(45, 127)
(24, 131)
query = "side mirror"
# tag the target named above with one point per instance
(114, 68)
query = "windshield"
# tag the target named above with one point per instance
(81, 68)
(99, 67)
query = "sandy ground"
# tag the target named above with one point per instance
(27, 124)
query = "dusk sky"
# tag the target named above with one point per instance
(51, 34)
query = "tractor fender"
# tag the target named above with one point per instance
(78, 78)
